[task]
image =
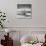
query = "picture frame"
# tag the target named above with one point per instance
(24, 9)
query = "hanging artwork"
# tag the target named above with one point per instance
(24, 9)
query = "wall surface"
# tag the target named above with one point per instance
(38, 14)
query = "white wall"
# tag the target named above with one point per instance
(38, 14)
(38, 21)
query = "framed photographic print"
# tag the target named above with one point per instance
(24, 9)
